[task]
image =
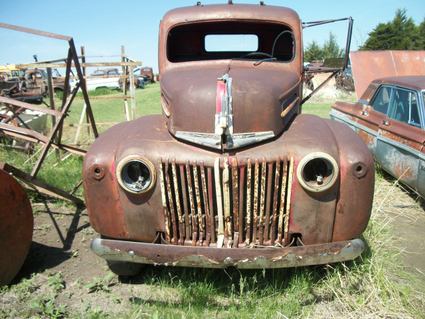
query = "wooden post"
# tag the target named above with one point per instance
(80, 124)
(124, 86)
(132, 93)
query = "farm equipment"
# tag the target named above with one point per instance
(231, 174)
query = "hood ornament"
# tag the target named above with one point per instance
(223, 137)
(223, 106)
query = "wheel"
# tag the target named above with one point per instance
(124, 268)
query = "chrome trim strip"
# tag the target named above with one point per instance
(344, 118)
(236, 140)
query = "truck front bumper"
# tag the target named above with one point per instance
(210, 257)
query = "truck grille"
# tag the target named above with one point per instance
(232, 204)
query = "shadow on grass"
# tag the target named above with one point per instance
(406, 189)
(201, 287)
(42, 257)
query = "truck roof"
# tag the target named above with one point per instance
(231, 11)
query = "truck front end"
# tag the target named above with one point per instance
(231, 174)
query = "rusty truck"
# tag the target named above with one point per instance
(231, 173)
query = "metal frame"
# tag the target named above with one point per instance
(333, 71)
(54, 137)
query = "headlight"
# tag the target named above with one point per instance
(136, 174)
(317, 172)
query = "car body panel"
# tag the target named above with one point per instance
(398, 145)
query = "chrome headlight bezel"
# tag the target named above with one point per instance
(124, 179)
(325, 163)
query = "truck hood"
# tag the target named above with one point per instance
(259, 95)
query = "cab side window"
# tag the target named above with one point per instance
(381, 100)
(404, 107)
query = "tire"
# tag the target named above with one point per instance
(124, 268)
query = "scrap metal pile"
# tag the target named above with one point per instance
(15, 211)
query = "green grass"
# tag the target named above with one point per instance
(319, 109)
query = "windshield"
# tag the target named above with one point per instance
(231, 40)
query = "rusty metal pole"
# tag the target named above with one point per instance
(83, 69)
(65, 94)
(51, 93)
(52, 101)
(83, 86)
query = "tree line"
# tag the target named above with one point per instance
(401, 33)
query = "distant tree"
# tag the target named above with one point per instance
(422, 33)
(330, 49)
(313, 52)
(399, 34)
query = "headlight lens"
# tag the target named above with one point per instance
(135, 174)
(317, 172)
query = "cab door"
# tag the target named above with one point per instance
(401, 137)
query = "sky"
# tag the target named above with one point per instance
(103, 26)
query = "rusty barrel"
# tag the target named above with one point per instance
(16, 226)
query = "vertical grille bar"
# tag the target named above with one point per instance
(269, 198)
(211, 203)
(241, 203)
(192, 204)
(186, 208)
(178, 207)
(288, 199)
(171, 202)
(206, 205)
(248, 203)
(235, 200)
(220, 230)
(275, 202)
(262, 200)
(255, 213)
(198, 204)
(226, 194)
(282, 203)
(164, 202)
